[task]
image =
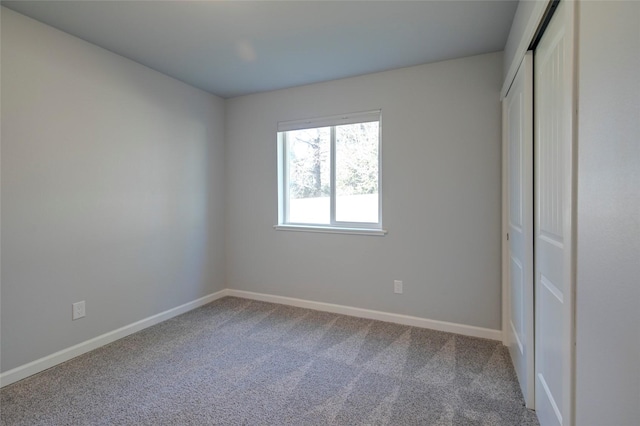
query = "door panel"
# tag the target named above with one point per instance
(553, 219)
(518, 119)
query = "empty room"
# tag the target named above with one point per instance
(320, 212)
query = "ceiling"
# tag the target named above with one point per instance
(232, 48)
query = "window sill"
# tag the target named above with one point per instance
(331, 230)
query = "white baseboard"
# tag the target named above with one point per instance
(466, 330)
(49, 361)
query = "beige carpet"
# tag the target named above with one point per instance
(241, 362)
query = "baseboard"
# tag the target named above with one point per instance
(49, 361)
(466, 330)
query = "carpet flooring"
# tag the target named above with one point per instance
(242, 362)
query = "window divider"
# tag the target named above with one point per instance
(285, 178)
(332, 178)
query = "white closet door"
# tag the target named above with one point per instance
(518, 158)
(553, 219)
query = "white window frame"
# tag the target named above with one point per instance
(364, 228)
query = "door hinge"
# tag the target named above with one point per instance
(507, 236)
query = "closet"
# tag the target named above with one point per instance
(538, 218)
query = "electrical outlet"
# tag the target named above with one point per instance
(78, 310)
(397, 287)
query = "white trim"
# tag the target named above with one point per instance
(331, 229)
(283, 170)
(59, 357)
(333, 120)
(466, 330)
(283, 184)
(523, 45)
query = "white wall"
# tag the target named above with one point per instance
(441, 195)
(112, 187)
(608, 262)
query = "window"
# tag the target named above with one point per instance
(329, 174)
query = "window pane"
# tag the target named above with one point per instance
(357, 172)
(309, 175)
